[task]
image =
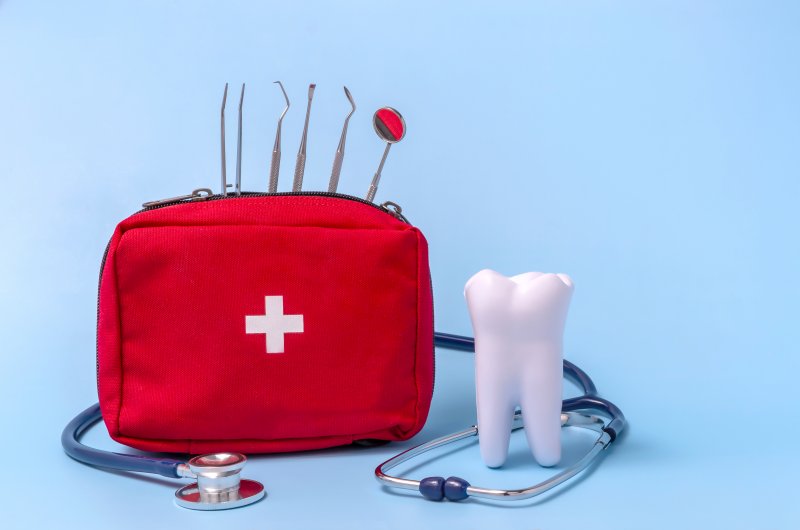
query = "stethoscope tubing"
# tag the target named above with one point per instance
(574, 414)
(70, 441)
(457, 489)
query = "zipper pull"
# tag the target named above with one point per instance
(199, 194)
(395, 211)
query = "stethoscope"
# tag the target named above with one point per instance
(219, 485)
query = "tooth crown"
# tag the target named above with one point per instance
(518, 324)
(530, 306)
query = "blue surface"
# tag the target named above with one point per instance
(650, 150)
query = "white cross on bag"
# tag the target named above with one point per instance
(274, 323)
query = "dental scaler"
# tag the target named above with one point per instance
(339, 157)
(300, 167)
(275, 167)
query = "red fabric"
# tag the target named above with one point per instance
(177, 370)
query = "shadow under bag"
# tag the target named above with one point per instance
(264, 323)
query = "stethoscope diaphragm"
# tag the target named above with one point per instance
(219, 485)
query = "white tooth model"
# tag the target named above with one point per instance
(519, 328)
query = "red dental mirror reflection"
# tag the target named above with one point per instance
(389, 124)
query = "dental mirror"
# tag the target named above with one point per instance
(391, 128)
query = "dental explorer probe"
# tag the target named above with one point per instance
(275, 167)
(300, 168)
(239, 148)
(339, 157)
(222, 141)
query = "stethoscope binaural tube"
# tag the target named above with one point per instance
(457, 489)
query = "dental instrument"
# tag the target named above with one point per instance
(224, 190)
(339, 157)
(391, 128)
(275, 167)
(239, 148)
(300, 167)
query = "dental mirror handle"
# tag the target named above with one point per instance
(373, 187)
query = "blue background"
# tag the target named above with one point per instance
(648, 149)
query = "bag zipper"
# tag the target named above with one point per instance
(205, 194)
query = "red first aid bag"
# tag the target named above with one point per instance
(264, 323)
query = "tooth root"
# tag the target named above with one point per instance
(541, 406)
(496, 407)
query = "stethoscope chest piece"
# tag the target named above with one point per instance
(219, 485)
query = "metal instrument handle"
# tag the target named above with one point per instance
(373, 189)
(337, 170)
(299, 170)
(274, 170)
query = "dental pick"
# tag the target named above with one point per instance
(222, 140)
(339, 157)
(300, 168)
(239, 148)
(275, 167)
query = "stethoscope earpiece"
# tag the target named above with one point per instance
(219, 484)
